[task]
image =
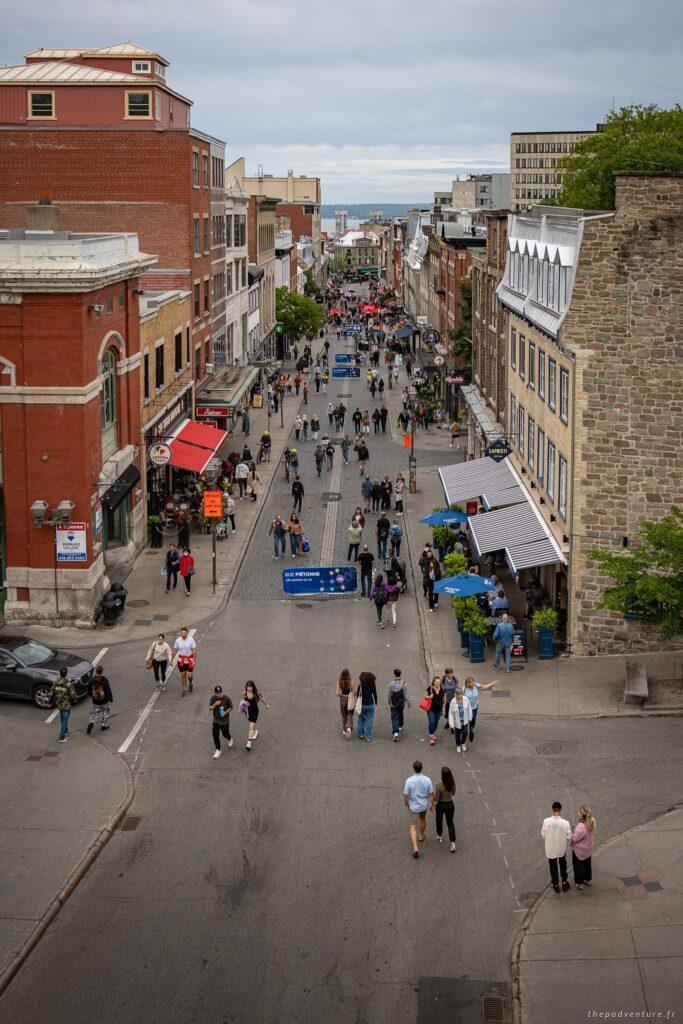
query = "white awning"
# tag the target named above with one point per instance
(520, 531)
(491, 481)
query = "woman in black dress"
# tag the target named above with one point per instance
(253, 697)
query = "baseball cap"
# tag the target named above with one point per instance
(218, 689)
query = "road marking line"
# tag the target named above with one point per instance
(144, 714)
(519, 911)
(497, 836)
(506, 861)
(98, 657)
(511, 882)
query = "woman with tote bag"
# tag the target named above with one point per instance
(346, 691)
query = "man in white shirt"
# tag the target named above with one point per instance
(241, 474)
(418, 798)
(186, 656)
(557, 833)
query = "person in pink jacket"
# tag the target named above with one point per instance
(582, 842)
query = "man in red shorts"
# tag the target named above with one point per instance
(186, 657)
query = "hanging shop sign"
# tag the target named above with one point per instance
(159, 454)
(498, 450)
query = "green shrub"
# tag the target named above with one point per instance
(476, 622)
(455, 563)
(544, 618)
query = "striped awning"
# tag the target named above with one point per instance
(520, 531)
(491, 481)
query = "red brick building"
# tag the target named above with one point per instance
(451, 249)
(103, 134)
(69, 416)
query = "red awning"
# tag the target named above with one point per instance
(195, 445)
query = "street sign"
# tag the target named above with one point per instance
(343, 357)
(320, 580)
(421, 320)
(213, 504)
(159, 454)
(212, 410)
(346, 371)
(71, 543)
(498, 450)
(431, 337)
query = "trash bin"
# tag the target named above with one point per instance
(121, 593)
(111, 607)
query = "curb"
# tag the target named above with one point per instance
(73, 879)
(518, 1015)
(425, 645)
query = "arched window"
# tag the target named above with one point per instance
(109, 433)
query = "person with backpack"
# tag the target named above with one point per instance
(357, 419)
(63, 695)
(393, 589)
(382, 528)
(266, 444)
(220, 707)
(384, 415)
(363, 456)
(395, 538)
(100, 694)
(398, 699)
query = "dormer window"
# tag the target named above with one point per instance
(138, 104)
(41, 104)
(141, 67)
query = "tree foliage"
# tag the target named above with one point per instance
(299, 315)
(648, 582)
(336, 266)
(634, 138)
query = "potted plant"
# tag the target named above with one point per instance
(454, 564)
(462, 606)
(156, 532)
(442, 537)
(477, 627)
(544, 622)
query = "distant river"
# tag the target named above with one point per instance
(327, 224)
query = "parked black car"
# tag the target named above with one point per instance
(29, 668)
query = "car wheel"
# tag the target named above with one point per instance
(41, 695)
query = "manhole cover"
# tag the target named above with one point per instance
(303, 604)
(139, 603)
(130, 823)
(549, 748)
(493, 1008)
(331, 496)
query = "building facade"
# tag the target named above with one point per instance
(477, 191)
(237, 284)
(69, 417)
(111, 110)
(359, 250)
(261, 243)
(534, 157)
(594, 395)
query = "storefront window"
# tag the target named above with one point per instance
(117, 525)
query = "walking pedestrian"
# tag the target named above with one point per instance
(315, 427)
(376, 496)
(366, 694)
(229, 510)
(246, 423)
(455, 432)
(557, 835)
(304, 427)
(158, 658)
(186, 658)
(435, 694)
(392, 588)
(63, 695)
(330, 413)
(345, 444)
(355, 534)
(397, 696)
(266, 444)
(418, 798)
(220, 707)
(379, 596)
(346, 692)
(100, 694)
(471, 691)
(241, 474)
(366, 493)
(363, 456)
(297, 493)
(366, 422)
(278, 531)
(459, 718)
(380, 387)
(503, 634)
(384, 415)
(445, 806)
(395, 538)
(319, 456)
(582, 843)
(450, 684)
(409, 368)
(382, 534)
(399, 491)
(376, 420)
(253, 698)
(254, 481)
(365, 560)
(187, 569)
(329, 453)
(305, 391)
(373, 389)
(357, 420)
(296, 539)
(387, 490)
(172, 566)
(431, 575)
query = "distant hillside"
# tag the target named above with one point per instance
(361, 211)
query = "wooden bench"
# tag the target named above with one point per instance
(636, 689)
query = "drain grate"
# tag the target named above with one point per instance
(303, 604)
(493, 1009)
(330, 496)
(140, 603)
(130, 823)
(549, 748)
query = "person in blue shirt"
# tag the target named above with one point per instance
(503, 635)
(500, 604)
(418, 798)
(471, 691)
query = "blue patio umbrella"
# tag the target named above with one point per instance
(444, 517)
(465, 584)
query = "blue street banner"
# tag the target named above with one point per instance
(346, 371)
(320, 580)
(343, 357)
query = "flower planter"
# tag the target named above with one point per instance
(476, 647)
(464, 636)
(545, 644)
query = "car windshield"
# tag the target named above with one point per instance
(32, 653)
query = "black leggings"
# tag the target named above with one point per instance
(217, 729)
(447, 808)
(582, 869)
(160, 669)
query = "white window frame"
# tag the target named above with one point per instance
(552, 384)
(139, 117)
(550, 471)
(520, 429)
(141, 67)
(531, 364)
(564, 394)
(540, 455)
(562, 487)
(541, 374)
(41, 117)
(530, 441)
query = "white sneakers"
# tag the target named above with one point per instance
(217, 754)
(230, 742)
(464, 748)
(458, 750)
(395, 737)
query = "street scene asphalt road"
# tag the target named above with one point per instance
(277, 885)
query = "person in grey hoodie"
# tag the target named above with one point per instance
(398, 700)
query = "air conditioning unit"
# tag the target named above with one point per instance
(209, 367)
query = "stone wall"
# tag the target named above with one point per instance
(625, 326)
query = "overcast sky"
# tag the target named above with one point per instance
(385, 100)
